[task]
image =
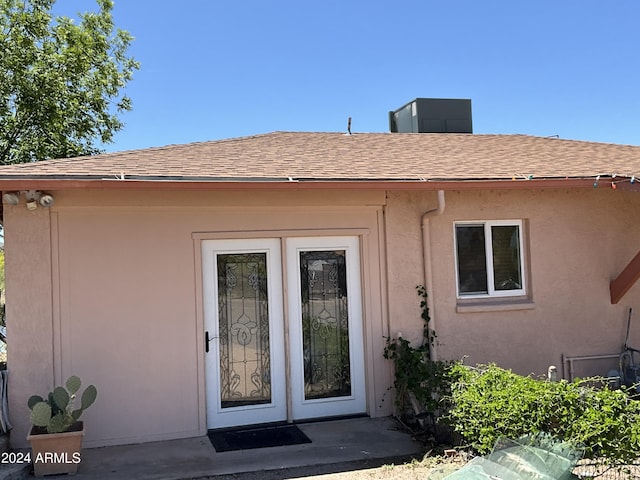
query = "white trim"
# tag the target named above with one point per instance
(491, 291)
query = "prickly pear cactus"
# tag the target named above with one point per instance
(33, 400)
(73, 384)
(56, 413)
(61, 398)
(60, 423)
(88, 397)
(41, 414)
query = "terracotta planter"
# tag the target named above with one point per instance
(56, 453)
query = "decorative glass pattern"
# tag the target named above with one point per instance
(325, 324)
(245, 362)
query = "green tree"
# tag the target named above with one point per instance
(60, 81)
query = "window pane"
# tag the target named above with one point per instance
(507, 271)
(325, 324)
(472, 260)
(245, 366)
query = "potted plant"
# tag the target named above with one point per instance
(56, 434)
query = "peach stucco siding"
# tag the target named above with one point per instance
(576, 242)
(107, 285)
(117, 297)
(29, 311)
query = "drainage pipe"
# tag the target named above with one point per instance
(426, 261)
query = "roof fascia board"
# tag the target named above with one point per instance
(113, 184)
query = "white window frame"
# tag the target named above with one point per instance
(488, 247)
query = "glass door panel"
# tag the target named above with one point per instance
(243, 315)
(325, 327)
(244, 332)
(325, 324)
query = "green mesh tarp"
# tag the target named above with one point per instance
(535, 457)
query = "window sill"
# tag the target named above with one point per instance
(494, 305)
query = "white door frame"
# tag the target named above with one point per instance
(288, 399)
(325, 407)
(276, 410)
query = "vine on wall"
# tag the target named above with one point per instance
(421, 384)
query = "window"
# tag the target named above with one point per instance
(489, 260)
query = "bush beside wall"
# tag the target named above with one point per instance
(488, 402)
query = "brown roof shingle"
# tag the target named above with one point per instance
(338, 156)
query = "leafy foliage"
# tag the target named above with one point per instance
(489, 402)
(60, 81)
(415, 374)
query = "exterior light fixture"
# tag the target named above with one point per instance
(33, 197)
(11, 198)
(46, 200)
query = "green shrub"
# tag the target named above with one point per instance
(489, 402)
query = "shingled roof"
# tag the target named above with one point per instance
(338, 157)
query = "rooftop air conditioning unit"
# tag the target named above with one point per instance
(432, 115)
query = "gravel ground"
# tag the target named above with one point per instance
(432, 468)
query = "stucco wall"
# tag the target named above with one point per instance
(577, 242)
(29, 311)
(121, 306)
(106, 284)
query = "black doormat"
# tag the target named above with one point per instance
(257, 437)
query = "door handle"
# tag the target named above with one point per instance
(207, 339)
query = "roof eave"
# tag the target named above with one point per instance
(47, 183)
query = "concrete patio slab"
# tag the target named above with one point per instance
(336, 446)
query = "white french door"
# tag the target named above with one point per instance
(244, 332)
(326, 351)
(246, 349)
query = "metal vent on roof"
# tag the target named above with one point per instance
(432, 115)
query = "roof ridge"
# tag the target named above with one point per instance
(244, 138)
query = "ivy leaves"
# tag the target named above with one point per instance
(415, 374)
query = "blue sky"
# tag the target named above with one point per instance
(215, 69)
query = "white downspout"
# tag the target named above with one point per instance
(426, 261)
